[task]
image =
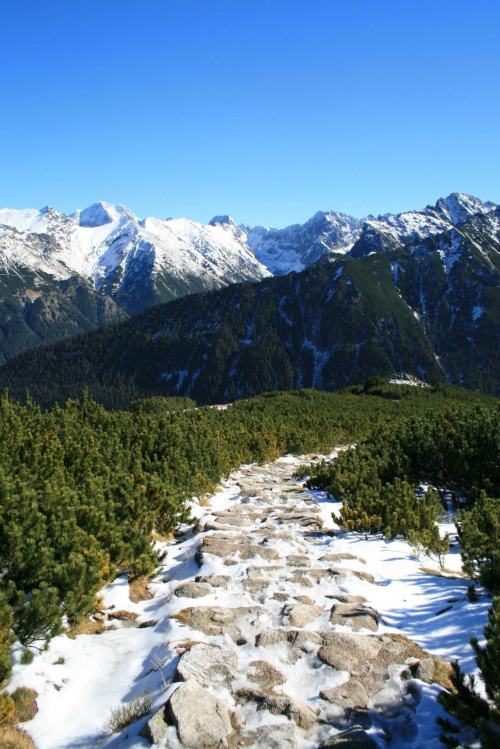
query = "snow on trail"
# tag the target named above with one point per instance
(289, 585)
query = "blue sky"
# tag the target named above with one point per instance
(267, 111)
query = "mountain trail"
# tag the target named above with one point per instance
(269, 627)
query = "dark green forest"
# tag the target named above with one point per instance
(36, 308)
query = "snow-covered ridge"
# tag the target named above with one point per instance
(447, 213)
(112, 248)
(106, 242)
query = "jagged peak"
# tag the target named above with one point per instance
(222, 221)
(102, 213)
(458, 206)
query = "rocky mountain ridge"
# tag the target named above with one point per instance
(430, 308)
(122, 265)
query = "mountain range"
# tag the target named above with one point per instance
(416, 293)
(62, 274)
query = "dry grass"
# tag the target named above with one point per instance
(129, 712)
(25, 704)
(163, 537)
(204, 500)
(442, 673)
(185, 645)
(123, 615)
(15, 738)
(86, 627)
(18, 707)
(449, 574)
(183, 617)
(138, 590)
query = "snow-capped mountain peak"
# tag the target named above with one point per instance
(222, 221)
(143, 262)
(458, 207)
(443, 216)
(102, 213)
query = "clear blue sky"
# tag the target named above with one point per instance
(263, 109)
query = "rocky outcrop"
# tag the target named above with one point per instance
(193, 590)
(353, 738)
(217, 620)
(202, 720)
(208, 665)
(354, 615)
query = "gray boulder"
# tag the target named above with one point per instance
(348, 695)
(207, 664)
(298, 560)
(155, 729)
(266, 675)
(424, 670)
(301, 614)
(193, 590)
(222, 545)
(354, 615)
(353, 738)
(202, 720)
(219, 620)
(216, 581)
(279, 736)
(282, 704)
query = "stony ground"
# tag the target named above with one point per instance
(264, 627)
(278, 652)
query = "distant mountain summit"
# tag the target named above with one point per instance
(122, 265)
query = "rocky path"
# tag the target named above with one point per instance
(277, 649)
(264, 627)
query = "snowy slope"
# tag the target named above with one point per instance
(108, 245)
(297, 247)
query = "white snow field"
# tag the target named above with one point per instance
(79, 681)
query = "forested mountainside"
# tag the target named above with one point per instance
(37, 308)
(429, 308)
(135, 264)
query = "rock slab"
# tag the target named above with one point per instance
(202, 720)
(207, 664)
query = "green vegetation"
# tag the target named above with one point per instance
(390, 309)
(82, 488)
(18, 707)
(454, 448)
(466, 704)
(240, 341)
(36, 308)
(479, 533)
